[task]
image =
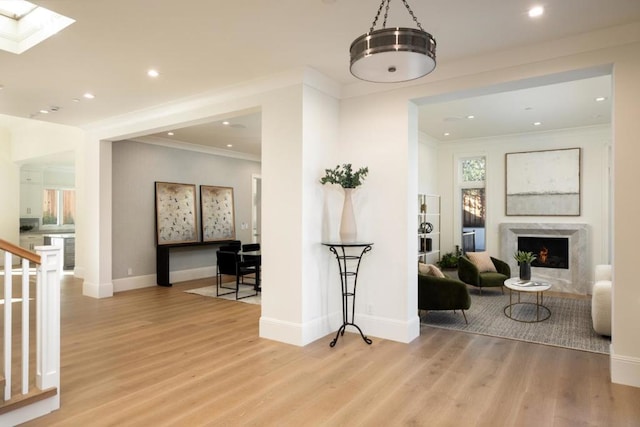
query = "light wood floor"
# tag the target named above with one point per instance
(162, 357)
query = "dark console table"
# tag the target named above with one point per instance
(162, 258)
(349, 264)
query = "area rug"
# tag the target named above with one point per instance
(210, 291)
(568, 326)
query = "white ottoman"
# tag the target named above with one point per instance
(601, 300)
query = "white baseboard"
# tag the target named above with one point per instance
(281, 331)
(371, 326)
(150, 280)
(135, 282)
(389, 329)
(624, 370)
(97, 290)
(78, 272)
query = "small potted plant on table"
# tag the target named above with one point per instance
(524, 260)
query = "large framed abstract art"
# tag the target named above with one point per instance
(543, 183)
(176, 218)
(218, 218)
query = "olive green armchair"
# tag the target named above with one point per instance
(469, 273)
(442, 293)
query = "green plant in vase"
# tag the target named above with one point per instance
(345, 177)
(524, 260)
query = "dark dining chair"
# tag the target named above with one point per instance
(251, 247)
(233, 246)
(231, 263)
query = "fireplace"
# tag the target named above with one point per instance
(571, 275)
(550, 252)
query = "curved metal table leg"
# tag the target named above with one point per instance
(345, 273)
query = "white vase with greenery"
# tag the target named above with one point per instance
(349, 181)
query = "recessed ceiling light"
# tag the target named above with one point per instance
(601, 98)
(229, 145)
(76, 100)
(536, 11)
(44, 111)
(170, 133)
(447, 134)
(537, 123)
(471, 116)
(226, 123)
(153, 73)
(89, 95)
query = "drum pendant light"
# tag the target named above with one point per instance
(393, 54)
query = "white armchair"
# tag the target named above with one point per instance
(601, 300)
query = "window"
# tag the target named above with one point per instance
(472, 189)
(58, 207)
(473, 170)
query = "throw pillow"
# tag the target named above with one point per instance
(482, 260)
(429, 270)
(435, 271)
(423, 269)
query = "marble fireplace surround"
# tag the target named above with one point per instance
(574, 280)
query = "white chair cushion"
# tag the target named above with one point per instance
(603, 272)
(601, 307)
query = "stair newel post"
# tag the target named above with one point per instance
(48, 318)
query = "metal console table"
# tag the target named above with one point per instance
(345, 264)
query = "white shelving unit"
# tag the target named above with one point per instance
(428, 242)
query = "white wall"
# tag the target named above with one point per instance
(428, 164)
(136, 167)
(381, 131)
(33, 139)
(10, 194)
(594, 143)
(625, 348)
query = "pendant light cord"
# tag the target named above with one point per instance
(386, 13)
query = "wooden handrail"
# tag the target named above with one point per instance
(21, 252)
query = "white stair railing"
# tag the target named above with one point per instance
(47, 326)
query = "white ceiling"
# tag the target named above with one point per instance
(555, 106)
(202, 45)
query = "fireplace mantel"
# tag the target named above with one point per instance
(576, 278)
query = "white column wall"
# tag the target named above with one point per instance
(282, 179)
(625, 348)
(300, 300)
(93, 232)
(321, 308)
(380, 131)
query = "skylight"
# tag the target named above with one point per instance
(16, 9)
(24, 25)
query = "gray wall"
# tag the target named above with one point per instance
(136, 167)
